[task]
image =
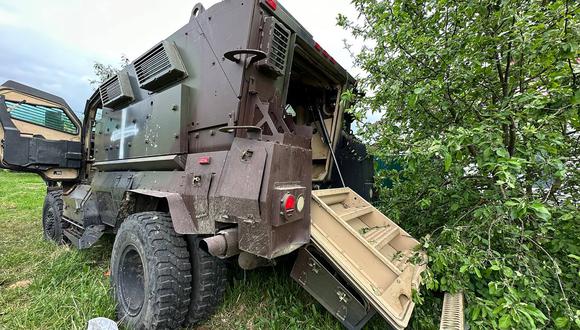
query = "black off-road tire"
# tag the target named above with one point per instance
(150, 273)
(52, 227)
(209, 282)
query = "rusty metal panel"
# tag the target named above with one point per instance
(108, 189)
(203, 173)
(239, 185)
(199, 191)
(371, 251)
(180, 216)
(73, 203)
(288, 164)
(315, 276)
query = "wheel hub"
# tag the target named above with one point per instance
(131, 281)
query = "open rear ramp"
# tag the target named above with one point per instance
(369, 250)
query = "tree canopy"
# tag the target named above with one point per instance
(479, 103)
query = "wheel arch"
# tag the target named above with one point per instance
(139, 200)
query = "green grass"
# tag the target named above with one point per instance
(44, 286)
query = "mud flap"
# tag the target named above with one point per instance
(374, 255)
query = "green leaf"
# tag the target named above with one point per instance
(573, 256)
(508, 272)
(502, 153)
(505, 321)
(561, 322)
(576, 97)
(413, 100)
(447, 161)
(541, 211)
(475, 313)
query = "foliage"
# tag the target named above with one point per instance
(479, 101)
(105, 71)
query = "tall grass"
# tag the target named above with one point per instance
(44, 286)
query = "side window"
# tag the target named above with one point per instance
(45, 116)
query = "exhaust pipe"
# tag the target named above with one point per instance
(223, 245)
(248, 261)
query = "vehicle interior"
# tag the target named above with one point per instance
(312, 94)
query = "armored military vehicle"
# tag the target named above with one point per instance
(228, 139)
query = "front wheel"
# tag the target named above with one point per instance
(150, 273)
(52, 227)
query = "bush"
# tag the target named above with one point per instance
(479, 101)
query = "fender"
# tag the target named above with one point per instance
(183, 222)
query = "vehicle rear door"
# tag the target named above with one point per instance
(39, 133)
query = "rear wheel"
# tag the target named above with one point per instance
(150, 273)
(209, 282)
(52, 217)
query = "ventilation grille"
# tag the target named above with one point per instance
(159, 67)
(116, 91)
(275, 43)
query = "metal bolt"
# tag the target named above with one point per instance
(175, 107)
(196, 180)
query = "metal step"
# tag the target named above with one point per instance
(369, 250)
(84, 238)
(379, 237)
(356, 213)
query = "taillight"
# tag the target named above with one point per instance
(288, 204)
(204, 160)
(272, 4)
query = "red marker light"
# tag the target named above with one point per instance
(272, 4)
(317, 47)
(288, 204)
(205, 160)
